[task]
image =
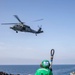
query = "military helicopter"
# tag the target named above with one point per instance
(23, 27)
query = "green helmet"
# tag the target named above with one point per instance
(45, 64)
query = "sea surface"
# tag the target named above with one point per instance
(31, 69)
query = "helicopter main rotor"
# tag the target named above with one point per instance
(18, 19)
(21, 23)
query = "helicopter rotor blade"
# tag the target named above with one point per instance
(18, 19)
(8, 23)
(38, 20)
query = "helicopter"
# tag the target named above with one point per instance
(23, 27)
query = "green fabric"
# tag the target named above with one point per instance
(43, 71)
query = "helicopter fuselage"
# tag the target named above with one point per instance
(24, 28)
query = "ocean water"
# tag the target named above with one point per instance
(31, 69)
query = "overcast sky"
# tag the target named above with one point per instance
(26, 48)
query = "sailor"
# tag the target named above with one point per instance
(45, 68)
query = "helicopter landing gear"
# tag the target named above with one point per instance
(16, 31)
(36, 34)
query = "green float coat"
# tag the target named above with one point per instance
(43, 71)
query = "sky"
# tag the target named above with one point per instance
(27, 48)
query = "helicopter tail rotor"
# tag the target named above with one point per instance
(40, 30)
(40, 26)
